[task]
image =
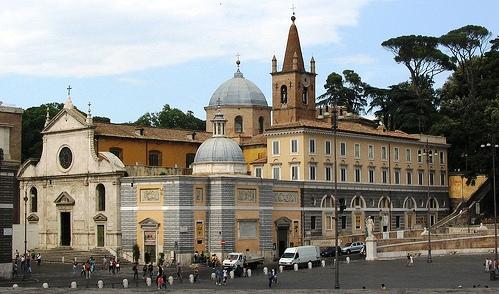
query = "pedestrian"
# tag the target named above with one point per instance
(135, 271)
(160, 281)
(196, 274)
(82, 273)
(218, 275)
(144, 271)
(117, 265)
(274, 273)
(487, 264)
(271, 278)
(150, 270)
(225, 274)
(110, 263)
(87, 269)
(411, 260)
(408, 259)
(14, 269)
(179, 272)
(38, 258)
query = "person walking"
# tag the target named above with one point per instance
(196, 274)
(411, 260)
(144, 271)
(179, 272)
(14, 269)
(225, 275)
(271, 278)
(38, 258)
(135, 271)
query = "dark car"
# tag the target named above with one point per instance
(330, 251)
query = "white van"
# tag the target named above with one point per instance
(300, 255)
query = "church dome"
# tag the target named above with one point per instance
(238, 91)
(219, 149)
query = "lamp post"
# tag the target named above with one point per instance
(428, 153)
(25, 220)
(493, 147)
(336, 254)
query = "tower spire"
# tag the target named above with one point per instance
(69, 103)
(47, 117)
(293, 46)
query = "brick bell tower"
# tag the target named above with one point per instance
(293, 88)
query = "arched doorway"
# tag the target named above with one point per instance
(282, 227)
(384, 206)
(410, 213)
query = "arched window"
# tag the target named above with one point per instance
(238, 124)
(117, 151)
(154, 158)
(284, 94)
(101, 197)
(327, 205)
(433, 203)
(384, 203)
(304, 95)
(34, 199)
(410, 203)
(260, 124)
(357, 202)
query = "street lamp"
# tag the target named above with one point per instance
(25, 220)
(336, 254)
(493, 150)
(428, 153)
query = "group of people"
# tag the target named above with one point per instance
(23, 262)
(112, 264)
(410, 259)
(491, 265)
(272, 274)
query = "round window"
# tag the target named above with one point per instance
(65, 157)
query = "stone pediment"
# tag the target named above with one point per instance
(66, 119)
(33, 218)
(64, 199)
(149, 223)
(100, 217)
(283, 222)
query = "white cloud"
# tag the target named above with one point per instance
(94, 37)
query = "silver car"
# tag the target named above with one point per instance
(354, 247)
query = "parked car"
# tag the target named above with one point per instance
(330, 251)
(354, 247)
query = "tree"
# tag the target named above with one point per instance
(381, 99)
(423, 59)
(101, 119)
(32, 125)
(171, 118)
(467, 45)
(348, 92)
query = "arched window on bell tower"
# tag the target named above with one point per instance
(284, 94)
(304, 95)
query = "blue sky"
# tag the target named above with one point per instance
(128, 57)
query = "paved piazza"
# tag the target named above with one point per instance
(446, 272)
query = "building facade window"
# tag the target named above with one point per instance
(343, 173)
(154, 158)
(442, 178)
(312, 222)
(311, 146)
(384, 175)
(371, 175)
(356, 150)
(384, 155)
(396, 174)
(328, 173)
(294, 172)
(358, 174)
(396, 155)
(189, 159)
(312, 171)
(370, 152)
(343, 222)
(118, 152)
(258, 171)
(327, 147)
(420, 155)
(33, 192)
(261, 121)
(294, 146)
(397, 222)
(442, 157)
(276, 172)
(408, 156)
(409, 177)
(275, 147)
(430, 156)
(420, 178)
(343, 149)
(304, 95)
(101, 197)
(432, 178)
(238, 124)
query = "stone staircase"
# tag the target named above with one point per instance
(55, 255)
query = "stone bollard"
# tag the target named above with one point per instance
(73, 285)
(45, 285)
(191, 278)
(309, 264)
(15, 286)
(213, 276)
(170, 280)
(348, 259)
(100, 284)
(248, 272)
(125, 283)
(295, 267)
(62, 259)
(231, 275)
(281, 268)
(245, 272)
(148, 282)
(265, 270)
(323, 263)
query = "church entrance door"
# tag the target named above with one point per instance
(65, 228)
(282, 240)
(100, 235)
